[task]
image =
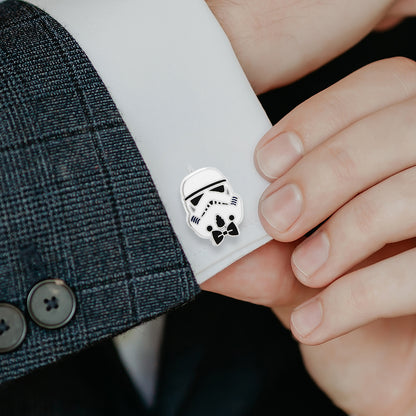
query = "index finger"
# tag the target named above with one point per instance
(365, 91)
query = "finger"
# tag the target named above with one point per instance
(388, 23)
(278, 42)
(399, 11)
(403, 8)
(333, 173)
(367, 90)
(381, 215)
(384, 290)
(263, 277)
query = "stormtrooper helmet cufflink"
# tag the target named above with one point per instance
(213, 210)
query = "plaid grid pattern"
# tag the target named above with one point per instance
(76, 199)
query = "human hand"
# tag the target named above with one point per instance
(356, 170)
(279, 41)
(263, 33)
(399, 10)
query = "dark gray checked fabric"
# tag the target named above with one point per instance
(76, 200)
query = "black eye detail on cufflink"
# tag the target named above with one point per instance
(218, 189)
(196, 200)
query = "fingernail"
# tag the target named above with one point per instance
(278, 155)
(282, 208)
(312, 254)
(307, 317)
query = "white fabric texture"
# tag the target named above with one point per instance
(139, 351)
(177, 83)
(175, 79)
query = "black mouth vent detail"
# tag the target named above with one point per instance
(220, 222)
(195, 220)
(210, 204)
(234, 200)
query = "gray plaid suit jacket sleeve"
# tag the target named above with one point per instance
(76, 200)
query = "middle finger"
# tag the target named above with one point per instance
(370, 150)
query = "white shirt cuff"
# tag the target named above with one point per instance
(176, 81)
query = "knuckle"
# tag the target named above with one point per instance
(277, 294)
(336, 110)
(404, 71)
(405, 115)
(404, 184)
(329, 105)
(365, 213)
(410, 178)
(360, 296)
(403, 64)
(341, 163)
(409, 116)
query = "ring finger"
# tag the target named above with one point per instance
(381, 215)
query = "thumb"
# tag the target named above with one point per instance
(263, 277)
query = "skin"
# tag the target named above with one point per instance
(363, 352)
(279, 41)
(366, 287)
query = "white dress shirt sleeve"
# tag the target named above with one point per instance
(173, 76)
(177, 83)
